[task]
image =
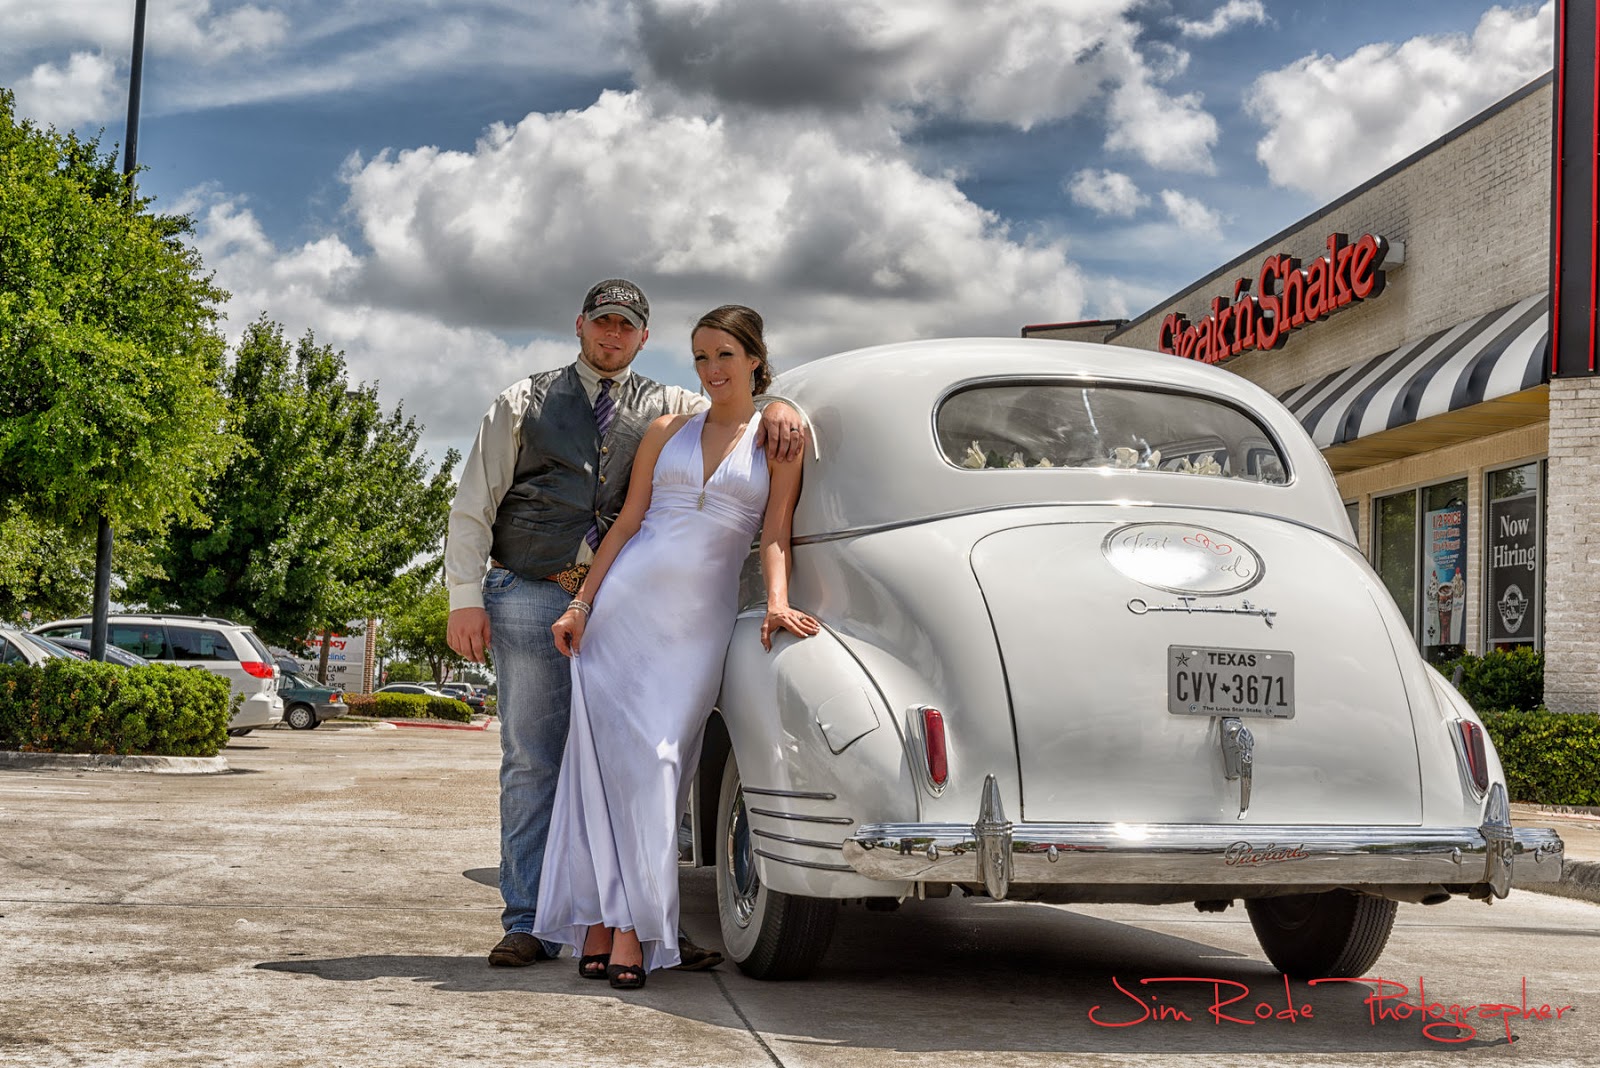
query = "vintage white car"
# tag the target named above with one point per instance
(1095, 629)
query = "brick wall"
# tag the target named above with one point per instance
(1572, 549)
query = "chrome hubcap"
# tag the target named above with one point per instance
(741, 871)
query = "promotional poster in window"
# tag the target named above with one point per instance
(1445, 558)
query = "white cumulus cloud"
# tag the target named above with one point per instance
(1171, 132)
(1020, 63)
(1190, 214)
(450, 252)
(1332, 123)
(85, 87)
(1107, 192)
(858, 243)
(446, 374)
(1233, 13)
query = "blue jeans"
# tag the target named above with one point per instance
(535, 706)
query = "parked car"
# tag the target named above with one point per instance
(20, 647)
(307, 703)
(79, 647)
(463, 691)
(1094, 629)
(409, 687)
(220, 646)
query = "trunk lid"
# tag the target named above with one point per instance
(1096, 620)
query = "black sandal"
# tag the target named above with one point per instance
(587, 965)
(625, 976)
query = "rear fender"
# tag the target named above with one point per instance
(1447, 798)
(812, 734)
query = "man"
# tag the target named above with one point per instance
(544, 480)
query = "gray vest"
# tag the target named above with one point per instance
(566, 477)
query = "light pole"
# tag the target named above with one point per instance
(130, 163)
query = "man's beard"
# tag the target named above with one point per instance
(603, 361)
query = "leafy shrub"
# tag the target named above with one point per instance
(408, 706)
(78, 706)
(1551, 758)
(449, 708)
(1500, 679)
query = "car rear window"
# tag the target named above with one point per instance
(1055, 424)
(199, 643)
(261, 650)
(71, 630)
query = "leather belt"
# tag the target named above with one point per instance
(571, 578)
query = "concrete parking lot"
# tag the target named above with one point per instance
(329, 901)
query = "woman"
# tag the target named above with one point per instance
(647, 664)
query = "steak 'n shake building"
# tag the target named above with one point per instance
(1407, 325)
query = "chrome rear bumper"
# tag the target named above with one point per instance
(996, 852)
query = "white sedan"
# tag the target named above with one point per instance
(18, 647)
(1094, 630)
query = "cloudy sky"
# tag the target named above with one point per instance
(432, 186)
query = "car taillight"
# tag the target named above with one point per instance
(933, 739)
(335, 698)
(256, 669)
(1477, 759)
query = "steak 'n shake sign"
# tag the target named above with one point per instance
(1287, 297)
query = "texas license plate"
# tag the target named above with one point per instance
(1208, 681)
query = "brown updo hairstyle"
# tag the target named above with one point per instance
(745, 325)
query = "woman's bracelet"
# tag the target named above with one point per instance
(583, 606)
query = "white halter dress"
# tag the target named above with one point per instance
(644, 682)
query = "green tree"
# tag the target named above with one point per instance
(109, 357)
(44, 570)
(327, 503)
(415, 625)
(406, 671)
(48, 570)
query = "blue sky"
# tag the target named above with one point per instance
(432, 186)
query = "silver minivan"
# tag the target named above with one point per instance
(220, 646)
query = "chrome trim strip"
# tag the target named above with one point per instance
(901, 524)
(795, 841)
(843, 821)
(805, 863)
(809, 795)
(1212, 854)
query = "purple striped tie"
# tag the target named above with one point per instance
(605, 410)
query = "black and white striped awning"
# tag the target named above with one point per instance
(1493, 355)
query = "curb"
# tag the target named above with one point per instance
(439, 726)
(1580, 880)
(155, 765)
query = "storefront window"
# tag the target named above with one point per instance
(1395, 543)
(1444, 565)
(1420, 541)
(1513, 580)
